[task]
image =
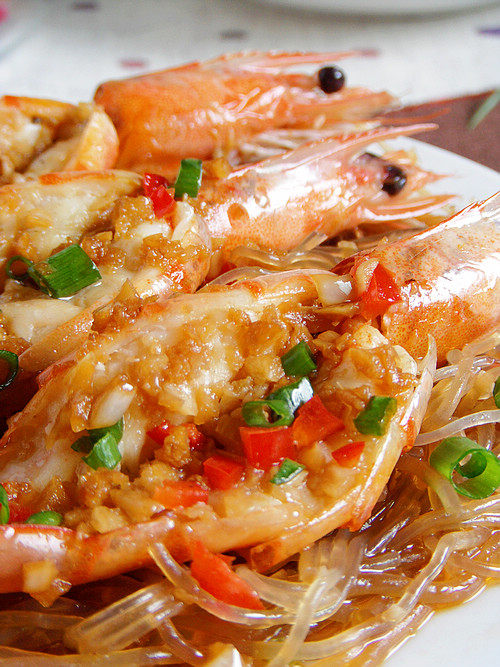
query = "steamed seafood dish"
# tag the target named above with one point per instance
(250, 380)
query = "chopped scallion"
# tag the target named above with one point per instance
(46, 518)
(189, 178)
(4, 506)
(65, 273)
(104, 454)
(299, 360)
(20, 277)
(278, 409)
(484, 109)
(12, 361)
(101, 446)
(116, 430)
(83, 444)
(375, 418)
(482, 469)
(287, 471)
(294, 394)
(496, 392)
(267, 413)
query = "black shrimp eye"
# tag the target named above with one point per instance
(331, 79)
(395, 179)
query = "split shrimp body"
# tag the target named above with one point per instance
(137, 254)
(39, 136)
(325, 186)
(201, 109)
(184, 369)
(38, 216)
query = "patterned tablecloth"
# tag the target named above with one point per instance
(64, 48)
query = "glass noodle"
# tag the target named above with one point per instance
(351, 597)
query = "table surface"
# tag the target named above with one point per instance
(64, 48)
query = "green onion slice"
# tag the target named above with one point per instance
(12, 361)
(189, 178)
(20, 277)
(104, 454)
(299, 360)
(484, 109)
(482, 469)
(278, 409)
(46, 518)
(116, 430)
(83, 444)
(287, 471)
(4, 506)
(496, 392)
(375, 418)
(267, 413)
(294, 394)
(101, 446)
(65, 273)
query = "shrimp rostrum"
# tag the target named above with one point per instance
(259, 415)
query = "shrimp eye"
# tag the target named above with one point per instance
(395, 179)
(331, 79)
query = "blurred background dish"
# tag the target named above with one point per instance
(387, 7)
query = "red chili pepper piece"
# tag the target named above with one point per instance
(155, 188)
(265, 447)
(381, 292)
(217, 578)
(314, 422)
(18, 513)
(348, 455)
(151, 182)
(196, 437)
(180, 494)
(222, 472)
(160, 432)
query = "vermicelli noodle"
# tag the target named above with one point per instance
(349, 597)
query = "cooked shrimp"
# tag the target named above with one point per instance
(40, 136)
(138, 256)
(320, 185)
(192, 362)
(327, 186)
(200, 109)
(196, 359)
(38, 216)
(449, 277)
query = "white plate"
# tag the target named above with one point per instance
(466, 635)
(389, 7)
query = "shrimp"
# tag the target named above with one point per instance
(179, 376)
(139, 256)
(326, 186)
(438, 296)
(200, 109)
(38, 216)
(320, 185)
(39, 136)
